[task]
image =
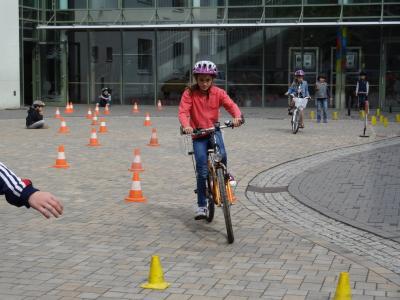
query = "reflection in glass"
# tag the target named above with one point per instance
(137, 3)
(174, 64)
(245, 56)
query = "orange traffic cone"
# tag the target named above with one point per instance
(93, 142)
(103, 126)
(89, 114)
(147, 121)
(57, 115)
(97, 109)
(61, 162)
(135, 193)
(135, 108)
(63, 127)
(137, 163)
(159, 105)
(71, 106)
(68, 109)
(94, 119)
(153, 140)
(107, 109)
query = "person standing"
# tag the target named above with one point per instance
(322, 94)
(362, 90)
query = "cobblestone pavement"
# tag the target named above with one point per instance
(361, 189)
(101, 247)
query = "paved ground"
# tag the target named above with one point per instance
(361, 189)
(101, 247)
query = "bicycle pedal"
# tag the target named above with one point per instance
(195, 191)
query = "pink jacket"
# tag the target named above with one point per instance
(199, 110)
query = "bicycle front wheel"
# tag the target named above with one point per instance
(225, 205)
(295, 121)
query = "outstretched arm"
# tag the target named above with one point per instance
(20, 192)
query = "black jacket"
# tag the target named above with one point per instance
(33, 116)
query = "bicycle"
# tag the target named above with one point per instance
(218, 189)
(299, 105)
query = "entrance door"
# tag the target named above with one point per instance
(391, 80)
(353, 66)
(52, 87)
(29, 70)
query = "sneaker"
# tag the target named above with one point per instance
(201, 213)
(290, 113)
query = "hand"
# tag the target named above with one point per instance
(46, 204)
(237, 122)
(188, 130)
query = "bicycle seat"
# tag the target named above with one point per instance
(210, 151)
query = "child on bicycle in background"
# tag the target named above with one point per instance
(298, 89)
(199, 108)
(362, 90)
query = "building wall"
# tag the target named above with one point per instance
(9, 53)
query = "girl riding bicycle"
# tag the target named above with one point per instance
(199, 108)
(299, 88)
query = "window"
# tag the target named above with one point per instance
(144, 55)
(178, 56)
(109, 54)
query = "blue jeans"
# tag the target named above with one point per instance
(322, 103)
(200, 148)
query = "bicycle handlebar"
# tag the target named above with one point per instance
(201, 131)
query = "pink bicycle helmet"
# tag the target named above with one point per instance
(205, 67)
(299, 73)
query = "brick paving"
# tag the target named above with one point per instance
(361, 189)
(101, 247)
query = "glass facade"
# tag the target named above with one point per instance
(256, 63)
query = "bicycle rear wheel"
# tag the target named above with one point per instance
(295, 121)
(210, 200)
(225, 205)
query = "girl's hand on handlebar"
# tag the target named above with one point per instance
(237, 122)
(188, 130)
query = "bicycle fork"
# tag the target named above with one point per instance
(229, 191)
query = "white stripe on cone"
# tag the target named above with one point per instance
(93, 135)
(136, 159)
(61, 155)
(136, 186)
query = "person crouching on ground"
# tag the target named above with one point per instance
(35, 120)
(105, 97)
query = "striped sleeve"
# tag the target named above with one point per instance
(17, 191)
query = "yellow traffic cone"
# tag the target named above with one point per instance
(373, 120)
(378, 112)
(343, 289)
(362, 114)
(398, 118)
(156, 276)
(385, 122)
(312, 115)
(334, 115)
(381, 118)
